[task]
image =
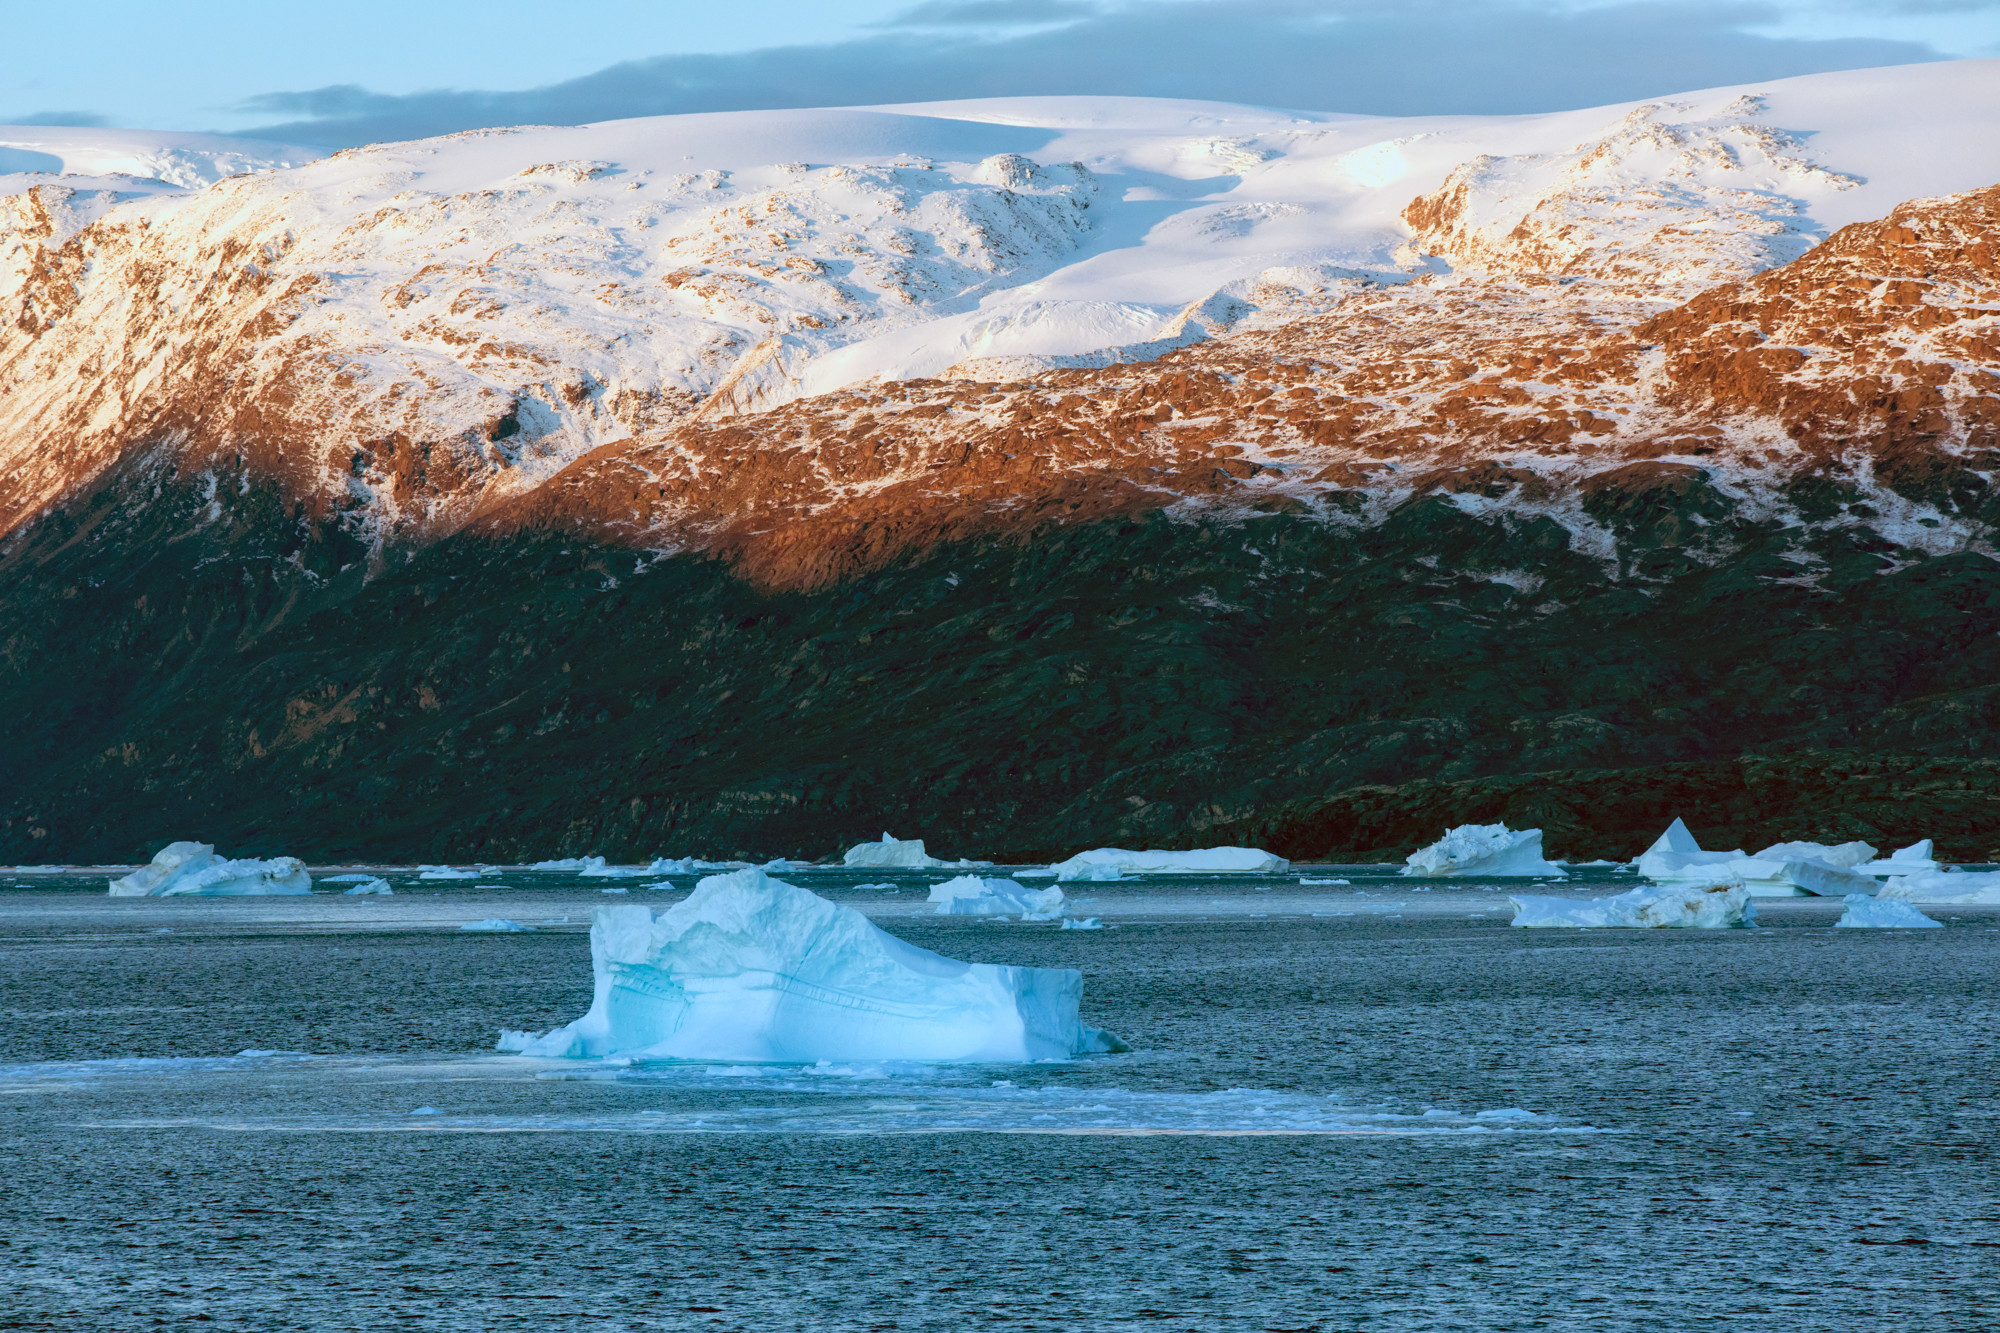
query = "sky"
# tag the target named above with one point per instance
(370, 70)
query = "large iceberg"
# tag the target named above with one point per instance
(751, 969)
(969, 895)
(192, 869)
(1716, 905)
(1200, 861)
(1782, 870)
(1485, 849)
(1945, 888)
(902, 854)
(1870, 912)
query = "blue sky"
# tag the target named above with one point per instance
(378, 69)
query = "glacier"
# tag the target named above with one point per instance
(192, 869)
(750, 969)
(1199, 861)
(1716, 905)
(969, 895)
(1485, 849)
(1866, 912)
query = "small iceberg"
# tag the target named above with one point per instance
(749, 969)
(1492, 850)
(192, 869)
(1782, 870)
(445, 872)
(902, 854)
(1083, 923)
(1955, 888)
(1874, 913)
(1916, 859)
(371, 885)
(969, 895)
(1304, 880)
(497, 923)
(1199, 861)
(1717, 905)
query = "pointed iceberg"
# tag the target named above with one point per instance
(1484, 849)
(750, 969)
(192, 869)
(1782, 870)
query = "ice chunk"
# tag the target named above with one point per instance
(445, 872)
(1782, 870)
(1846, 855)
(1814, 877)
(969, 895)
(499, 923)
(1304, 880)
(370, 885)
(891, 853)
(1864, 910)
(346, 879)
(1916, 859)
(1484, 849)
(1095, 872)
(1199, 861)
(1083, 923)
(1712, 906)
(572, 865)
(750, 969)
(192, 869)
(883, 887)
(1945, 888)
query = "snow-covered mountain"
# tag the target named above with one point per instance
(1444, 385)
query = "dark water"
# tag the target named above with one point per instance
(1790, 1128)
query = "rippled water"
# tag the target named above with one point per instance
(1347, 1107)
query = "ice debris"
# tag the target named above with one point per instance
(969, 895)
(192, 869)
(1870, 912)
(1197, 861)
(1304, 880)
(1716, 905)
(750, 969)
(346, 879)
(498, 923)
(1484, 849)
(1083, 923)
(445, 872)
(370, 885)
(1945, 888)
(902, 854)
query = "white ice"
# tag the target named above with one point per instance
(1083, 923)
(1945, 887)
(1875, 913)
(969, 895)
(1782, 870)
(1304, 880)
(902, 854)
(1487, 850)
(370, 885)
(1199, 861)
(1916, 859)
(445, 872)
(751, 969)
(192, 869)
(1713, 906)
(498, 923)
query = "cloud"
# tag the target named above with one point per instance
(1407, 57)
(85, 119)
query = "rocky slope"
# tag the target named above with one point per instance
(381, 508)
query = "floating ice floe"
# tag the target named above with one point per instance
(371, 885)
(192, 869)
(1490, 850)
(751, 969)
(1946, 887)
(1591, 865)
(499, 923)
(445, 872)
(1782, 870)
(1883, 914)
(902, 854)
(1713, 906)
(1304, 880)
(969, 895)
(1198, 861)
(1083, 923)
(1916, 859)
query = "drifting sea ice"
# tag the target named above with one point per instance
(902, 854)
(969, 895)
(1203, 860)
(1304, 880)
(1484, 849)
(192, 869)
(751, 969)
(1876, 913)
(1782, 870)
(1083, 923)
(371, 885)
(1916, 859)
(499, 924)
(445, 872)
(1712, 906)
(1946, 888)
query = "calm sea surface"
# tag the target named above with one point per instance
(1346, 1107)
